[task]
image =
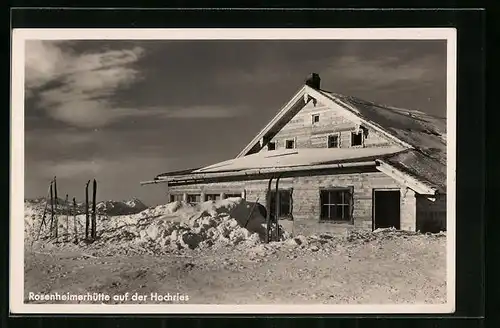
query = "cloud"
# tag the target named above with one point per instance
(43, 62)
(78, 89)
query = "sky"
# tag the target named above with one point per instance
(124, 111)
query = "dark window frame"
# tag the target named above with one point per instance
(271, 143)
(313, 118)
(336, 135)
(353, 133)
(216, 196)
(289, 191)
(350, 204)
(286, 143)
(172, 198)
(232, 194)
(188, 196)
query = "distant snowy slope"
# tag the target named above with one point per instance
(109, 207)
(112, 208)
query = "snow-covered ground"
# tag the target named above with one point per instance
(205, 251)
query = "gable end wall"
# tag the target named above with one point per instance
(331, 121)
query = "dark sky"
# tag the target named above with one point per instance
(124, 111)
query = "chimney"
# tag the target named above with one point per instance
(314, 81)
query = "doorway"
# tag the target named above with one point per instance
(386, 209)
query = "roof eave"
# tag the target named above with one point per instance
(406, 179)
(201, 177)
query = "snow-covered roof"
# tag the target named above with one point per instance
(409, 128)
(408, 166)
(299, 157)
(420, 167)
(423, 131)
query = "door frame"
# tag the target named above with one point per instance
(373, 202)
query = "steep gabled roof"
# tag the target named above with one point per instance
(422, 131)
(409, 128)
(419, 166)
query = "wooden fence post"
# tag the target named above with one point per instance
(44, 212)
(94, 214)
(56, 226)
(51, 210)
(87, 210)
(277, 209)
(67, 208)
(74, 221)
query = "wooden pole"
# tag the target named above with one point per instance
(268, 211)
(56, 227)
(66, 204)
(51, 210)
(87, 210)
(94, 214)
(44, 211)
(277, 209)
(74, 221)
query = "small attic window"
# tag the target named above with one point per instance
(271, 145)
(357, 139)
(290, 144)
(315, 118)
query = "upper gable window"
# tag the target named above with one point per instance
(333, 141)
(271, 145)
(315, 118)
(357, 139)
(289, 144)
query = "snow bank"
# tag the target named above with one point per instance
(176, 225)
(182, 225)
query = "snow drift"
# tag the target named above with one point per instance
(173, 226)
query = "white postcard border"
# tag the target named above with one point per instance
(17, 305)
